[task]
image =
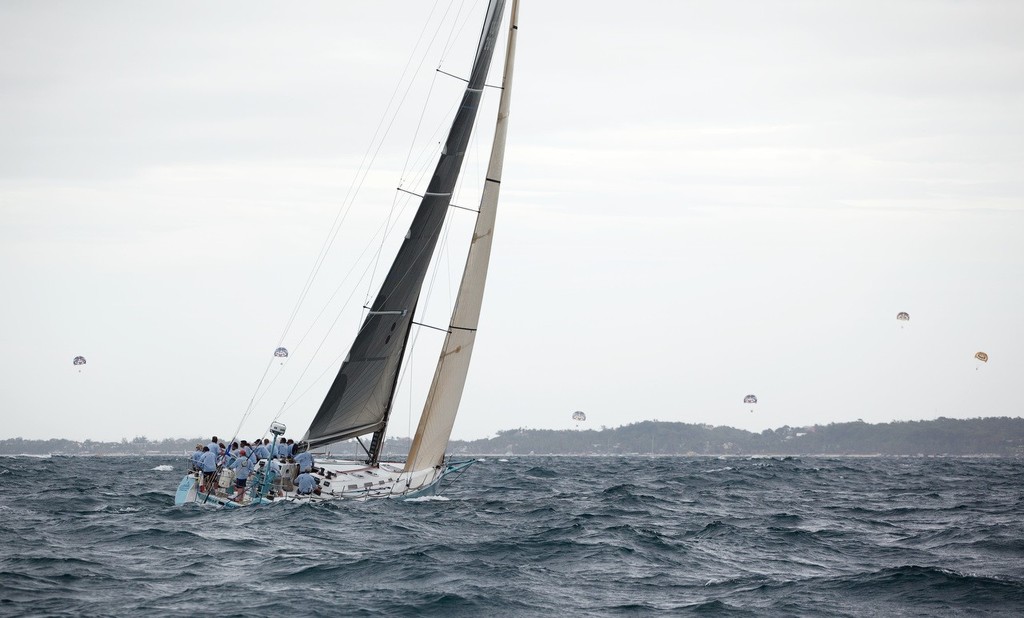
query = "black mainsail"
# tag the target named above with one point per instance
(359, 400)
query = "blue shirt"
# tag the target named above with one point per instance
(306, 483)
(209, 462)
(305, 461)
(262, 452)
(241, 465)
(197, 456)
(273, 470)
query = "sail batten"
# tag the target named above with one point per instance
(359, 399)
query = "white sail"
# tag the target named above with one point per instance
(442, 404)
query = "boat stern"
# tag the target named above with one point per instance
(187, 490)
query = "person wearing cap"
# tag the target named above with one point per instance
(241, 466)
(250, 454)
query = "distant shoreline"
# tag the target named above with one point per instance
(943, 437)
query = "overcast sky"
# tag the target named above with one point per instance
(701, 200)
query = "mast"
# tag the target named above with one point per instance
(359, 400)
(442, 405)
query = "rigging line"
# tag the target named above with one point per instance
(419, 125)
(463, 79)
(289, 402)
(285, 405)
(447, 45)
(446, 120)
(448, 264)
(452, 75)
(458, 473)
(316, 320)
(388, 229)
(357, 183)
(405, 165)
(408, 416)
(374, 262)
(442, 247)
(428, 153)
(267, 389)
(345, 305)
(443, 330)
(425, 168)
(347, 302)
(334, 235)
(416, 258)
(353, 190)
(365, 450)
(458, 31)
(250, 408)
(405, 370)
(317, 352)
(405, 95)
(432, 147)
(450, 205)
(409, 192)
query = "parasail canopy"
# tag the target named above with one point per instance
(903, 316)
(79, 360)
(750, 399)
(578, 415)
(981, 356)
(281, 352)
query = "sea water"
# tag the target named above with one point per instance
(528, 536)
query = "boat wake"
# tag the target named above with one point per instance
(429, 499)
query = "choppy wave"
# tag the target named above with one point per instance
(531, 536)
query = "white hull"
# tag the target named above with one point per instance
(338, 480)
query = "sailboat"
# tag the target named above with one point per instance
(359, 401)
